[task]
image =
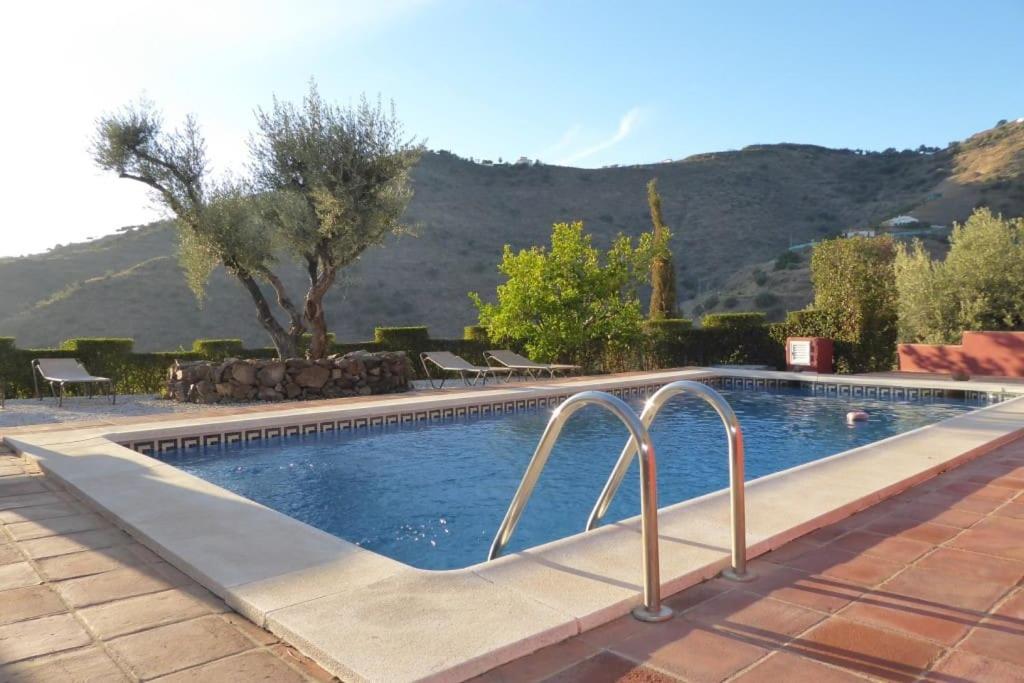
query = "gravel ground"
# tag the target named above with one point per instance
(27, 411)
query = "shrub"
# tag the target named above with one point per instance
(855, 287)
(710, 302)
(730, 302)
(765, 300)
(94, 346)
(667, 327)
(760, 277)
(218, 349)
(475, 333)
(6, 344)
(401, 338)
(787, 260)
(733, 321)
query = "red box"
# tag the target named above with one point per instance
(809, 353)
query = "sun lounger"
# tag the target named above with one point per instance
(60, 372)
(514, 361)
(470, 374)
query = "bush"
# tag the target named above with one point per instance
(475, 333)
(218, 349)
(765, 300)
(733, 321)
(667, 327)
(95, 346)
(6, 344)
(401, 338)
(730, 302)
(710, 302)
(760, 277)
(787, 260)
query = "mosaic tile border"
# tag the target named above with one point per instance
(403, 417)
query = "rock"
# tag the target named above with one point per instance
(291, 390)
(223, 388)
(269, 394)
(243, 373)
(272, 373)
(312, 377)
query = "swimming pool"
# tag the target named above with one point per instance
(432, 494)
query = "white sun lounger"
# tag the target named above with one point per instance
(470, 374)
(60, 372)
(513, 361)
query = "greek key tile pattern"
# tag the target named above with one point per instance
(404, 417)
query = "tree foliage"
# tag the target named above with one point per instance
(978, 286)
(569, 302)
(663, 270)
(855, 288)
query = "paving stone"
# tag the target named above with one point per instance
(30, 513)
(821, 593)
(901, 550)
(16, 575)
(846, 566)
(939, 514)
(783, 666)
(20, 485)
(928, 532)
(179, 646)
(52, 546)
(940, 624)
(9, 553)
(999, 536)
(303, 663)
(867, 649)
(609, 668)
(82, 666)
(120, 583)
(543, 663)
(29, 500)
(996, 639)
(146, 611)
(19, 604)
(936, 589)
(255, 633)
(752, 616)
(21, 531)
(46, 635)
(690, 650)
(970, 566)
(247, 667)
(95, 561)
(967, 666)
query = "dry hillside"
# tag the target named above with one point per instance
(731, 212)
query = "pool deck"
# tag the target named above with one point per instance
(926, 586)
(365, 617)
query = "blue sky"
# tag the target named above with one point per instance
(579, 83)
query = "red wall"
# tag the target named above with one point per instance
(996, 354)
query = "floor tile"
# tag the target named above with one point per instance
(120, 583)
(816, 592)
(930, 588)
(121, 617)
(16, 575)
(866, 649)
(244, 668)
(89, 562)
(928, 532)
(967, 666)
(935, 623)
(55, 526)
(973, 567)
(543, 663)
(46, 635)
(784, 666)
(999, 536)
(91, 665)
(167, 649)
(748, 615)
(695, 652)
(30, 602)
(894, 548)
(843, 565)
(52, 546)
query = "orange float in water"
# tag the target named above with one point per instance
(856, 416)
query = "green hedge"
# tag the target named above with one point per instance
(475, 333)
(97, 346)
(218, 349)
(401, 338)
(733, 321)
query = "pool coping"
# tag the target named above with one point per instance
(367, 617)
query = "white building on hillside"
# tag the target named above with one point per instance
(898, 221)
(859, 232)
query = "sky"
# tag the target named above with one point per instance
(581, 83)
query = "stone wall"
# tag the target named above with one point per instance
(359, 373)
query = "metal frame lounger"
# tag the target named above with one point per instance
(449, 362)
(60, 372)
(513, 361)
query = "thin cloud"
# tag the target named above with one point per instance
(626, 127)
(568, 137)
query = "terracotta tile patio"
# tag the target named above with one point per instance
(81, 601)
(924, 587)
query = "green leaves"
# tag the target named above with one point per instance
(569, 302)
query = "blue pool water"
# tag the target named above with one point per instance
(432, 494)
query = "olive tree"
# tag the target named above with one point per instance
(340, 181)
(217, 222)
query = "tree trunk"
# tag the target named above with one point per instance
(287, 345)
(318, 289)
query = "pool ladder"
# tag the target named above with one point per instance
(639, 443)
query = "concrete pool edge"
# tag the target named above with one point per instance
(367, 617)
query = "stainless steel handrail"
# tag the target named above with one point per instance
(652, 609)
(738, 570)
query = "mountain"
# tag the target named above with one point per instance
(732, 213)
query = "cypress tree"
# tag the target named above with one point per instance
(663, 270)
